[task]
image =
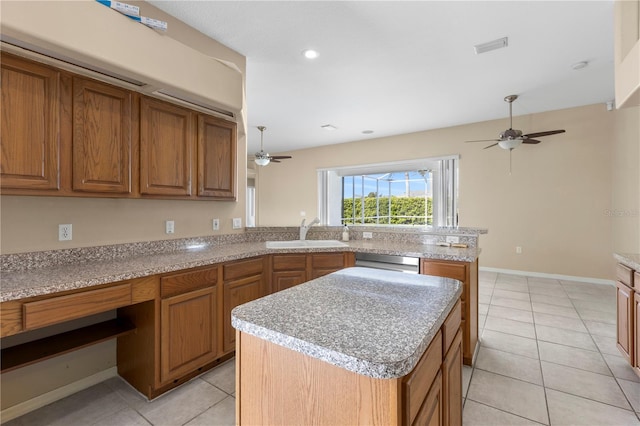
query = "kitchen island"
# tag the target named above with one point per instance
(358, 346)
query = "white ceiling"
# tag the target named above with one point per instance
(398, 67)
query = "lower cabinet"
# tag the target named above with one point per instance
(289, 270)
(624, 334)
(467, 273)
(243, 282)
(188, 332)
(431, 412)
(628, 315)
(636, 314)
(326, 263)
(452, 383)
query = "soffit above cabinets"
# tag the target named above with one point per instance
(90, 36)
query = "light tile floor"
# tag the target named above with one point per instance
(547, 356)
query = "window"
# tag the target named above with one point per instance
(396, 198)
(417, 192)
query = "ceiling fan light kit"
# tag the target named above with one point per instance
(263, 158)
(512, 138)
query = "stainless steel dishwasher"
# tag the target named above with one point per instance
(409, 265)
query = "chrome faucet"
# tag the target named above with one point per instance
(305, 228)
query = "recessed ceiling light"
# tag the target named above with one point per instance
(367, 132)
(491, 45)
(310, 53)
(329, 127)
(579, 65)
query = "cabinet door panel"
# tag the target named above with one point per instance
(188, 338)
(287, 279)
(30, 127)
(430, 413)
(236, 293)
(101, 137)
(216, 158)
(624, 334)
(166, 148)
(452, 383)
(636, 346)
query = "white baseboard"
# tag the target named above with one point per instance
(39, 401)
(550, 276)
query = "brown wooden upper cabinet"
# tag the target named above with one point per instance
(30, 129)
(102, 137)
(216, 158)
(166, 148)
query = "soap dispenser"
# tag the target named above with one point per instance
(345, 233)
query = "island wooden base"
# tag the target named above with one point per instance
(278, 386)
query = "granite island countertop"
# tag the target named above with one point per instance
(38, 281)
(372, 322)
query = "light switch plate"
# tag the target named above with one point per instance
(452, 240)
(216, 224)
(237, 223)
(367, 235)
(169, 227)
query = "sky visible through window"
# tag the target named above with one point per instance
(385, 184)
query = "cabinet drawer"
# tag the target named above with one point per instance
(451, 326)
(457, 271)
(636, 280)
(328, 260)
(243, 268)
(65, 308)
(417, 383)
(289, 262)
(187, 281)
(624, 274)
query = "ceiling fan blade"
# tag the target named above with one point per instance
(281, 157)
(531, 141)
(485, 140)
(490, 145)
(540, 134)
(275, 161)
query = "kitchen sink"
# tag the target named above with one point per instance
(304, 244)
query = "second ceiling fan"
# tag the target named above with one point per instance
(263, 158)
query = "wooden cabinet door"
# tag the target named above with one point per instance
(216, 158)
(102, 137)
(467, 273)
(167, 140)
(326, 263)
(452, 383)
(286, 279)
(430, 413)
(30, 127)
(636, 340)
(236, 293)
(624, 334)
(188, 333)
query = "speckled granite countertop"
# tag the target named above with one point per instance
(372, 322)
(632, 260)
(53, 279)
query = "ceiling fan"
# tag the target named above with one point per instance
(263, 158)
(512, 138)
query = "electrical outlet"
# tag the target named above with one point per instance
(216, 224)
(518, 250)
(367, 235)
(452, 240)
(237, 223)
(65, 232)
(169, 227)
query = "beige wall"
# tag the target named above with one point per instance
(553, 205)
(31, 223)
(625, 196)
